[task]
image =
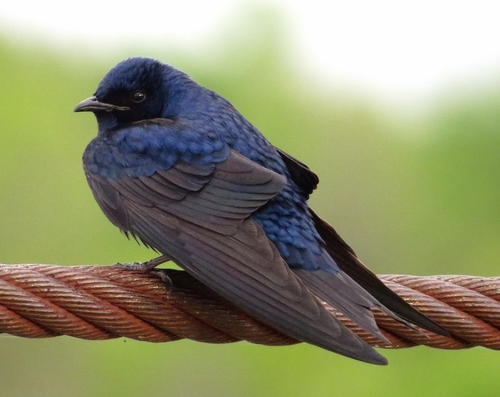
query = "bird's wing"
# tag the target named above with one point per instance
(199, 216)
(347, 260)
(300, 173)
(352, 266)
(345, 295)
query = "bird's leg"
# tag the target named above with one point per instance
(144, 266)
(149, 266)
(152, 263)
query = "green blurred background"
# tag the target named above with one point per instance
(413, 193)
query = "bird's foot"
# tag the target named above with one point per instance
(143, 266)
(149, 266)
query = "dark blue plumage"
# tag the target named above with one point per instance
(175, 165)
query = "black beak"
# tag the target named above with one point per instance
(93, 105)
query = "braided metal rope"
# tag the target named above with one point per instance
(103, 302)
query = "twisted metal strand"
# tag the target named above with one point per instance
(104, 302)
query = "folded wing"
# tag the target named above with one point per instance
(325, 285)
(199, 215)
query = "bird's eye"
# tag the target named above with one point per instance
(138, 96)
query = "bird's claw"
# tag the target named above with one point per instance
(149, 266)
(162, 274)
(143, 266)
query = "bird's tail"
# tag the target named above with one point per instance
(386, 299)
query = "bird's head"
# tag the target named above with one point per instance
(133, 90)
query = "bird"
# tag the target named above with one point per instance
(177, 167)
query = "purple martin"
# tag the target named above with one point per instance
(179, 168)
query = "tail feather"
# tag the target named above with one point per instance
(347, 261)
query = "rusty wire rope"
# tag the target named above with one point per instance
(104, 302)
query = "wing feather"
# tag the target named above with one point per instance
(348, 262)
(199, 215)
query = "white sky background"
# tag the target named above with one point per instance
(390, 50)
